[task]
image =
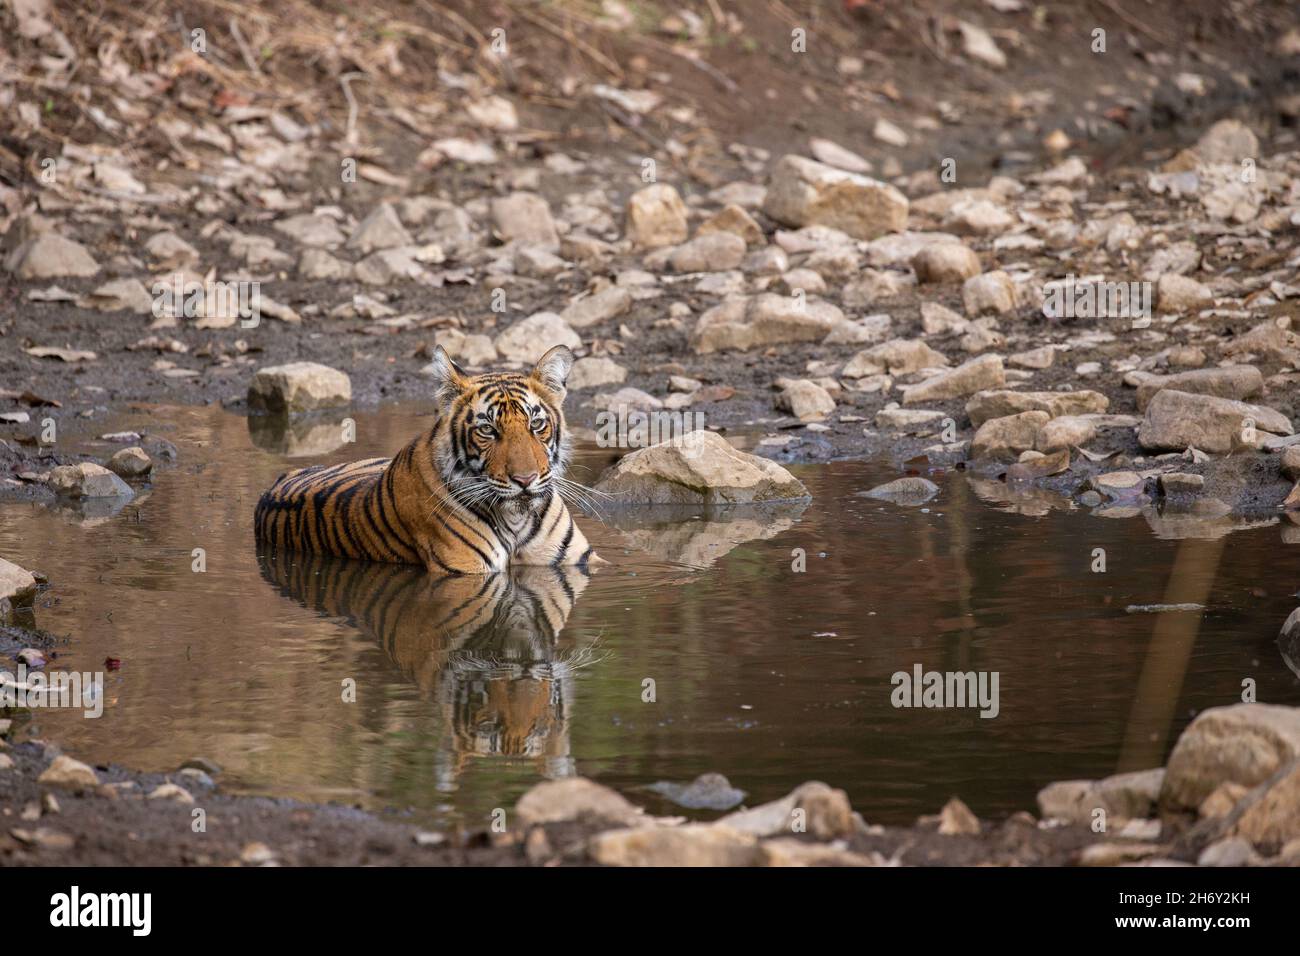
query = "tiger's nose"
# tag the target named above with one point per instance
(524, 480)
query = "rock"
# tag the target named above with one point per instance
(120, 295)
(978, 374)
(699, 467)
(708, 791)
(68, 774)
(813, 808)
(804, 192)
(799, 280)
(912, 420)
(171, 791)
(1176, 293)
(833, 154)
(899, 357)
(388, 266)
(1233, 381)
(766, 319)
(946, 262)
(50, 256)
(1117, 854)
(595, 372)
(1037, 359)
(17, 588)
(1222, 801)
(733, 220)
(1006, 437)
(494, 113)
(1068, 431)
(695, 844)
(130, 463)
(311, 229)
(529, 338)
(978, 217)
(474, 351)
(1181, 483)
(874, 285)
(978, 44)
(656, 216)
(1240, 743)
(525, 218)
(170, 251)
(712, 252)
(575, 798)
(87, 480)
(1178, 420)
(805, 400)
(538, 263)
(299, 387)
(381, 229)
(911, 490)
(1270, 816)
(889, 134)
(869, 328)
(990, 292)
(1118, 484)
(256, 853)
(788, 851)
(768, 261)
(1233, 851)
(938, 319)
(1124, 796)
(1291, 462)
(319, 264)
(625, 399)
(1227, 141)
(956, 819)
(998, 403)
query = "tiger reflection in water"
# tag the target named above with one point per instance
(486, 648)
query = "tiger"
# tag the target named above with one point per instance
(487, 650)
(478, 491)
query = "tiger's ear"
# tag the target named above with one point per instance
(449, 379)
(552, 370)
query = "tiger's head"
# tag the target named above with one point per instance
(505, 434)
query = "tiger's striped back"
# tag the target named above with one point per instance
(477, 492)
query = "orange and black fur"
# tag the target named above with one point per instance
(477, 492)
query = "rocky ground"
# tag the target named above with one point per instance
(954, 234)
(1230, 796)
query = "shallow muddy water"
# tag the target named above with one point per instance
(469, 691)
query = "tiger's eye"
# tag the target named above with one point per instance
(485, 431)
(539, 424)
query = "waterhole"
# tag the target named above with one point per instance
(760, 645)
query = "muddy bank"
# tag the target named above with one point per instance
(61, 811)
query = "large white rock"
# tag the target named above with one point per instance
(88, 480)
(766, 319)
(17, 588)
(656, 216)
(1178, 420)
(981, 373)
(526, 218)
(699, 467)
(49, 256)
(529, 339)
(1240, 743)
(804, 192)
(299, 387)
